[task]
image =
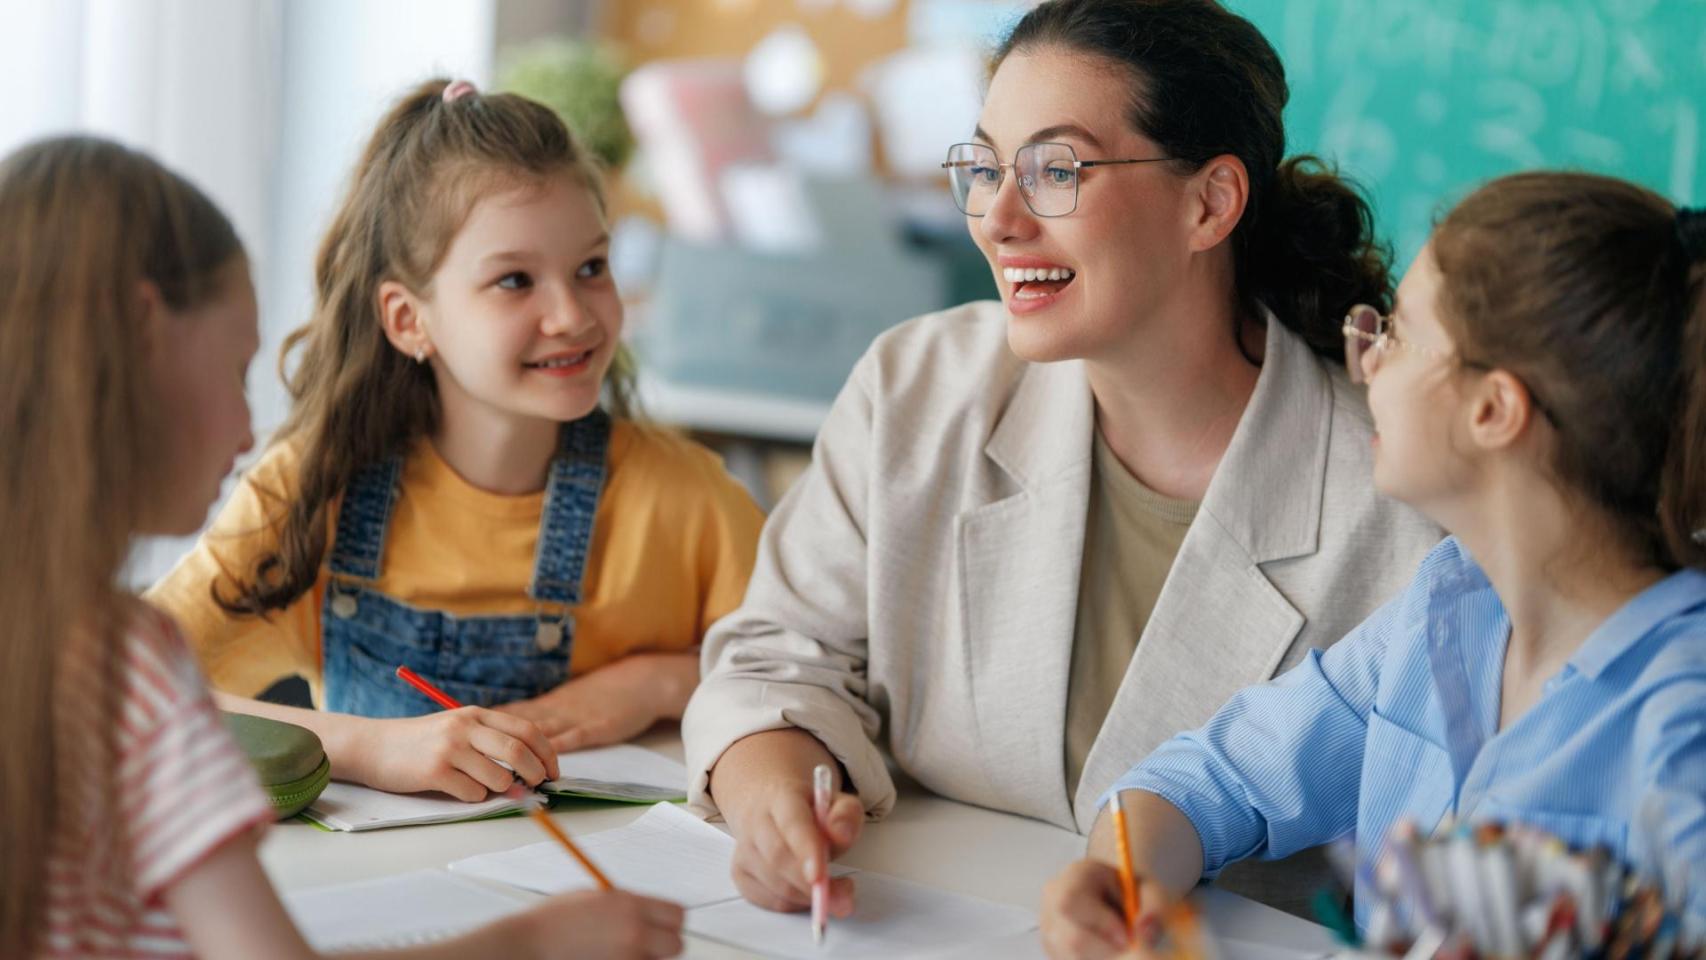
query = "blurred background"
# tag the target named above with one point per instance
(777, 200)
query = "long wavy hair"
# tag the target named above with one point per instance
(356, 399)
(87, 223)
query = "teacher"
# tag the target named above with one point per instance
(1040, 536)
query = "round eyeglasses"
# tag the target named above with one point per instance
(1368, 329)
(1047, 174)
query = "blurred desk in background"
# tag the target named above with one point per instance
(731, 411)
(764, 439)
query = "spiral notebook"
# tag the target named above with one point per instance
(423, 906)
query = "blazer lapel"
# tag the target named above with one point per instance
(1018, 561)
(1219, 625)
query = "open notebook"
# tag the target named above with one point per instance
(625, 773)
(670, 853)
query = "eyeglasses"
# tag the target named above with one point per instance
(1047, 173)
(1368, 329)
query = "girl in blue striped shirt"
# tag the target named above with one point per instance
(1540, 391)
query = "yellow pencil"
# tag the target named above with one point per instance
(1128, 877)
(539, 814)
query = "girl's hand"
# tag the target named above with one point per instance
(778, 841)
(454, 752)
(614, 703)
(602, 925)
(1083, 914)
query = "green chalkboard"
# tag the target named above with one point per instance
(1423, 100)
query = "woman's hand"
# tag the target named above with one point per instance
(763, 786)
(779, 845)
(617, 702)
(455, 752)
(1083, 914)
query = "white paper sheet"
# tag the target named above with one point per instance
(892, 918)
(1019, 946)
(672, 854)
(418, 907)
(667, 853)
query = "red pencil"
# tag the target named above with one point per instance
(448, 702)
(420, 683)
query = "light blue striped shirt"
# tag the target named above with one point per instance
(1400, 719)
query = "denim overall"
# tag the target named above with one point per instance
(477, 660)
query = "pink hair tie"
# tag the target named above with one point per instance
(457, 90)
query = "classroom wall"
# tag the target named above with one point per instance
(1422, 100)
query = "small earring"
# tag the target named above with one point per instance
(1700, 536)
(420, 354)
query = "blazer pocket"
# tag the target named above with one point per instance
(1404, 776)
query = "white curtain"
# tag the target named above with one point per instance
(262, 103)
(193, 82)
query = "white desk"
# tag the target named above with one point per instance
(927, 839)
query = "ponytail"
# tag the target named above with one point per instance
(1682, 497)
(1592, 291)
(1308, 253)
(355, 398)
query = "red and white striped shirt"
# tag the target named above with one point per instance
(182, 788)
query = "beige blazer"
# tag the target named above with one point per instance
(917, 588)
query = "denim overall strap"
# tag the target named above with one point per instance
(479, 660)
(571, 503)
(363, 518)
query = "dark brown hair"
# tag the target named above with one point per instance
(87, 224)
(356, 399)
(1205, 83)
(1582, 287)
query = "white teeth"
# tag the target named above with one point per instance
(559, 362)
(1030, 274)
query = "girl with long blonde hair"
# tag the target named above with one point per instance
(460, 488)
(128, 816)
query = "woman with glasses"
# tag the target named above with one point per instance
(1040, 536)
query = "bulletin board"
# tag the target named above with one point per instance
(847, 38)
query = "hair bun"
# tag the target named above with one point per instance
(1691, 231)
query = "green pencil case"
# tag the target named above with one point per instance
(288, 759)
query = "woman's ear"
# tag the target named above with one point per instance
(1222, 191)
(400, 314)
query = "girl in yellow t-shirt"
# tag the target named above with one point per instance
(457, 488)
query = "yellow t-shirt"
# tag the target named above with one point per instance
(673, 544)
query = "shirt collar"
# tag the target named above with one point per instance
(1651, 607)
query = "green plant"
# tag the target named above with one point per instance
(580, 81)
